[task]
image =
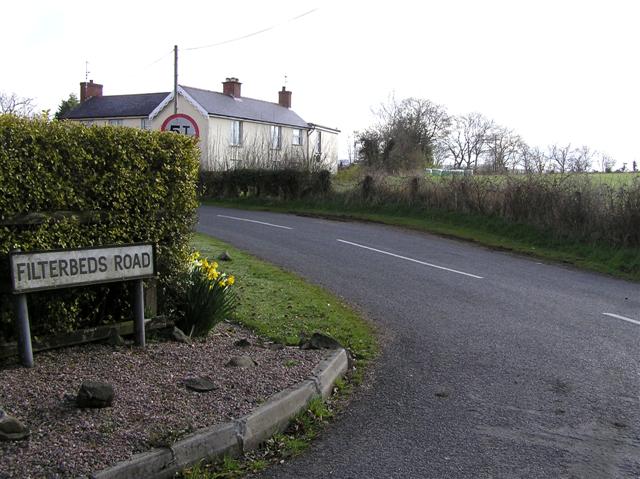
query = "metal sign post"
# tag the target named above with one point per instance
(47, 270)
(138, 312)
(24, 331)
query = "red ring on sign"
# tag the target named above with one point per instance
(186, 117)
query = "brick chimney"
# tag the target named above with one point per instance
(231, 87)
(284, 98)
(88, 90)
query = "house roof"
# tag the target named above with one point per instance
(117, 106)
(214, 103)
(219, 104)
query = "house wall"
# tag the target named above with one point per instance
(185, 107)
(256, 149)
(328, 148)
(130, 122)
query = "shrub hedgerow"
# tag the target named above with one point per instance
(566, 206)
(286, 184)
(65, 185)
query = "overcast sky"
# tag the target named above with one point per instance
(555, 71)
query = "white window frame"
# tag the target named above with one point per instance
(236, 133)
(276, 137)
(298, 138)
(115, 122)
(145, 124)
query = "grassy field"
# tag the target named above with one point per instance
(283, 307)
(349, 177)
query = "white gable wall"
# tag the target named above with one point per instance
(185, 107)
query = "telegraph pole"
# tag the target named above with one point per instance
(175, 79)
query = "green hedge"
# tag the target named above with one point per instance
(64, 185)
(284, 184)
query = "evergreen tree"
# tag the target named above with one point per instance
(66, 106)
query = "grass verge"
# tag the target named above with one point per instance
(492, 232)
(283, 307)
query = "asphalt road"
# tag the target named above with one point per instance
(494, 365)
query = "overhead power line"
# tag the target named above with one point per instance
(253, 34)
(170, 52)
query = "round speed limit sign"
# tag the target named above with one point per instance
(181, 123)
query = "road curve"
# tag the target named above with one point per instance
(493, 365)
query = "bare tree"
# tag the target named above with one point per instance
(15, 105)
(467, 141)
(560, 156)
(533, 159)
(352, 147)
(580, 160)
(526, 158)
(503, 148)
(606, 163)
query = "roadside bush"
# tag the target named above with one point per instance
(286, 184)
(566, 206)
(65, 185)
(208, 297)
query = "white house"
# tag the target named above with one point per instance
(233, 131)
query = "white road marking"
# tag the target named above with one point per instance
(254, 221)
(617, 316)
(411, 259)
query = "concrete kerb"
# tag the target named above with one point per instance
(234, 437)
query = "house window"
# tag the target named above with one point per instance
(236, 133)
(144, 124)
(297, 137)
(276, 137)
(115, 122)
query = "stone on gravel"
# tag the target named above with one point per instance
(95, 394)
(320, 341)
(242, 362)
(225, 256)
(11, 429)
(275, 346)
(200, 384)
(178, 335)
(242, 343)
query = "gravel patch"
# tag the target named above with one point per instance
(152, 406)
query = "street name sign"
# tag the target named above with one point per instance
(43, 270)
